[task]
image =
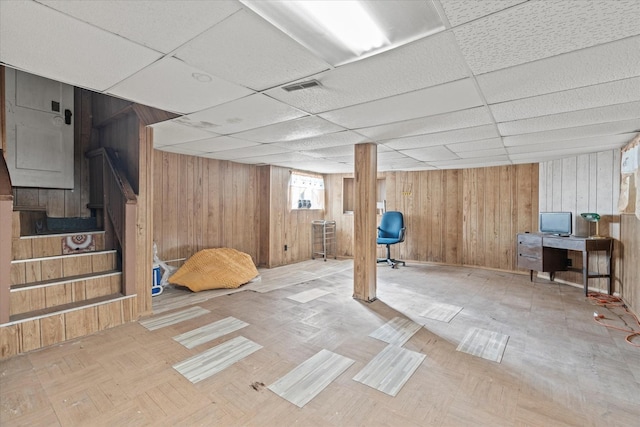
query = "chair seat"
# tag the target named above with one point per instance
(387, 240)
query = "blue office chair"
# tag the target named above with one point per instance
(390, 232)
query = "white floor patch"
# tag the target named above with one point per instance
(311, 377)
(216, 359)
(396, 331)
(173, 318)
(309, 295)
(210, 332)
(390, 369)
(482, 343)
(440, 311)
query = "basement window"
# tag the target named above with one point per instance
(306, 191)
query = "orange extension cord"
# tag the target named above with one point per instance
(608, 301)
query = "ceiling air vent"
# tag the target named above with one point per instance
(301, 85)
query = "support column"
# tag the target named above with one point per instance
(364, 219)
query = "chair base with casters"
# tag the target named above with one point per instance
(390, 232)
(391, 261)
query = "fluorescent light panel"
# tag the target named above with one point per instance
(343, 31)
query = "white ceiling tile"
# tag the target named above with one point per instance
(472, 163)
(484, 144)
(246, 152)
(560, 153)
(170, 133)
(610, 113)
(220, 143)
(398, 163)
(43, 41)
(323, 141)
(246, 113)
(540, 29)
(612, 128)
(245, 49)
(575, 99)
(461, 11)
(421, 166)
(493, 152)
(431, 154)
(340, 151)
(179, 150)
(442, 138)
(608, 62)
(160, 25)
(318, 166)
(423, 125)
(423, 63)
(349, 160)
(181, 92)
(579, 144)
(458, 95)
(273, 159)
(306, 127)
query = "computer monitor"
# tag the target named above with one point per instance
(559, 223)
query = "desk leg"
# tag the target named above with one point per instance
(585, 272)
(609, 290)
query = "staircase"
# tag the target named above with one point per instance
(63, 286)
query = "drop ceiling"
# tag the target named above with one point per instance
(506, 82)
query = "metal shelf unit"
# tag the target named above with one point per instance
(323, 239)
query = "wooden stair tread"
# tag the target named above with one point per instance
(65, 307)
(17, 208)
(56, 234)
(52, 257)
(68, 279)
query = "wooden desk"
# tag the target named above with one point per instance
(548, 253)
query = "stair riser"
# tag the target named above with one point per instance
(41, 297)
(36, 333)
(54, 245)
(66, 266)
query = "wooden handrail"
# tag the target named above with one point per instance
(6, 213)
(120, 210)
(113, 162)
(6, 191)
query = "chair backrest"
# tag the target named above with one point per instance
(392, 225)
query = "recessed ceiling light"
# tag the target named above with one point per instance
(202, 78)
(347, 30)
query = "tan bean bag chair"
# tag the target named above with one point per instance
(222, 268)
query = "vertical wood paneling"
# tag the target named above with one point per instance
(291, 227)
(587, 183)
(205, 203)
(629, 285)
(452, 214)
(450, 218)
(264, 213)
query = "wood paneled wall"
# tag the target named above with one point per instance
(630, 261)
(287, 227)
(498, 203)
(202, 203)
(66, 203)
(586, 183)
(459, 217)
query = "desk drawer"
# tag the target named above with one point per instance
(530, 246)
(529, 263)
